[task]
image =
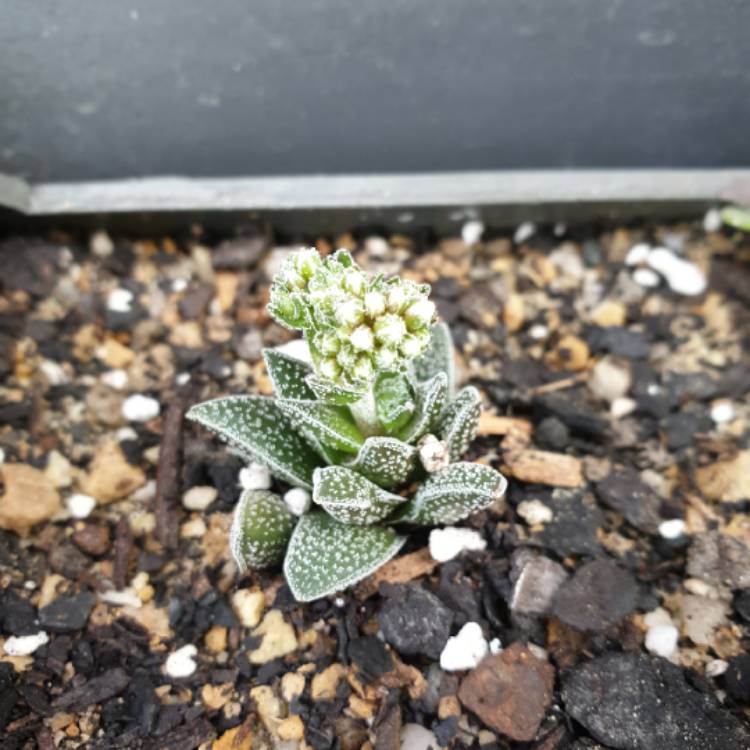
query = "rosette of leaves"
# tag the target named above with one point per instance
(371, 426)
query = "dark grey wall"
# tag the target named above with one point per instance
(116, 88)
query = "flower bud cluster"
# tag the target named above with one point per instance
(356, 324)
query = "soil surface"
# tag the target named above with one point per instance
(612, 597)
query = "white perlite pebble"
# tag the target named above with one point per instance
(682, 276)
(200, 497)
(433, 453)
(672, 529)
(496, 646)
(181, 663)
(116, 379)
(80, 506)
(447, 543)
(610, 379)
(465, 650)
(472, 232)
(722, 412)
(120, 300)
(297, 500)
(296, 348)
(182, 378)
(25, 645)
(524, 232)
(637, 254)
(621, 407)
(101, 244)
(534, 512)
(658, 616)
(139, 408)
(538, 332)
(125, 598)
(662, 640)
(417, 737)
(712, 220)
(255, 476)
(53, 371)
(646, 277)
(716, 667)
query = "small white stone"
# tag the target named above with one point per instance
(658, 616)
(126, 433)
(524, 232)
(534, 512)
(682, 276)
(297, 500)
(465, 650)
(610, 379)
(716, 667)
(560, 229)
(2, 456)
(80, 506)
(181, 663)
(539, 652)
(146, 493)
(120, 300)
(538, 332)
(53, 372)
(179, 285)
(447, 543)
(117, 379)
(722, 412)
(200, 497)
(471, 232)
(623, 406)
(433, 453)
(182, 378)
(296, 348)
(101, 244)
(637, 254)
(29, 585)
(140, 408)
(125, 598)
(25, 645)
(248, 606)
(674, 528)
(646, 277)
(496, 646)
(662, 640)
(712, 220)
(417, 737)
(255, 476)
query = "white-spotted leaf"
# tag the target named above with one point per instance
(333, 393)
(257, 428)
(449, 495)
(386, 461)
(460, 422)
(261, 528)
(350, 498)
(332, 425)
(431, 399)
(438, 357)
(394, 400)
(288, 375)
(325, 556)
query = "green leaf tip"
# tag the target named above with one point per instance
(261, 528)
(460, 422)
(325, 556)
(386, 461)
(332, 425)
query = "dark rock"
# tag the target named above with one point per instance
(619, 341)
(627, 494)
(680, 428)
(574, 411)
(96, 690)
(66, 559)
(572, 530)
(67, 613)
(8, 695)
(597, 597)
(445, 730)
(742, 604)
(36, 698)
(737, 679)
(457, 593)
(92, 539)
(510, 692)
(719, 559)
(552, 433)
(248, 344)
(414, 621)
(243, 252)
(17, 616)
(16, 413)
(195, 301)
(370, 656)
(536, 581)
(635, 702)
(698, 386)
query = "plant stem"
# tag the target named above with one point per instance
(365, 414)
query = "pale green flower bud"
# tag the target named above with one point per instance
(396, 298)
(363, 369)
(385, 358)
(350, 313)
(413, 345)
(390, 330)
(327, 343)
(374, 304)
(362, 339)
(329, 368)
(293, 279)
(419, 314)
(346, 358)
(307, 262)
(354, 282)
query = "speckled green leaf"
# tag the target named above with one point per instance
(394, 400)
(289, 309)
(325, 556)
(332, 393)
(460, 422)
(332, 425)
(350, 498)
(431, 399)
(288, 375)
(261, 527)
(256, 427)
(452, 494)
(386, 461)
(438, 357)
(736, 217)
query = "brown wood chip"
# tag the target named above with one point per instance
(543, 467)
(401, 570)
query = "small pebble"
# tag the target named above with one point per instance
(682, 276)
(125, 598)
(534, 512)
(646, 277)
(248, 606)
(496, 646)
(538, 332)
(181, 663)
(712, 220)
(120, 300)
(25, 645)
(255, 476)
(139, 408)
(53, 372)
(101, 244)
(716, 668)
(674, 528)
(80, 506)
(116, 379)
(637, 254)
(433, 453)
(622, 407)
(722, 412)
(464, 650)
(524, 232)
(471, 232)
(199, 498)
(417, 737)
(447, 543)
(297, 500)
(662, 640)
(182, 378)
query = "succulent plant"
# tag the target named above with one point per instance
(370, 426)
(737, 217)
